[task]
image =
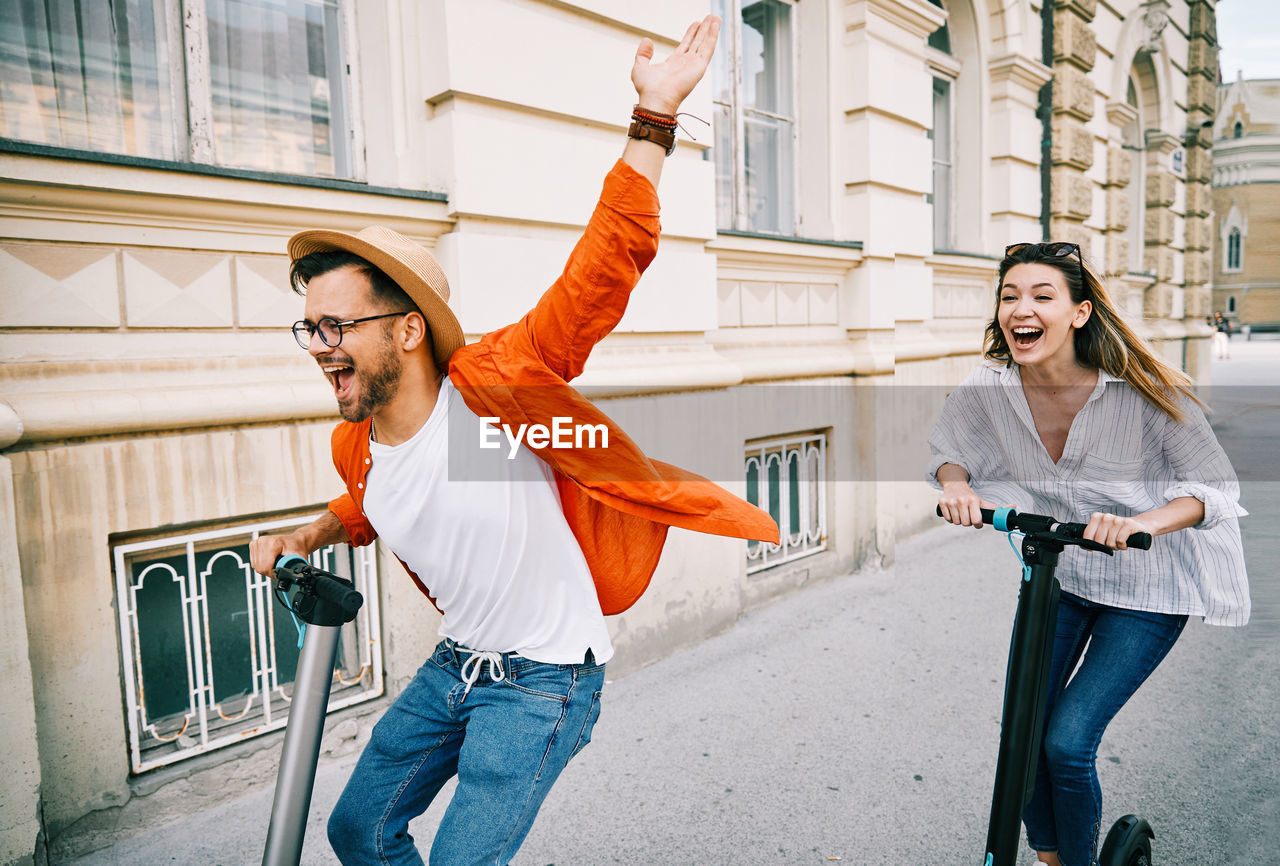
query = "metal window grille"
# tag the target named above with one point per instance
(787, 478)
(209, 655)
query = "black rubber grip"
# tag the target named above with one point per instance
(338, 593)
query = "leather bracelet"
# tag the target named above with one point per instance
(654, 118)
(664, 138)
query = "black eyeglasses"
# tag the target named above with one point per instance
(330, 329)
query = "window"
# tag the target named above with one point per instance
(942, 194)
(1135, 144)
(210, 656)
(256, 84)
(787, 477)
(941, 198)
(1233, 250)
(1231, 304)
(755, 118)
(1238, 130)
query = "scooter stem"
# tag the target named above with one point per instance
(1026, 690)
(301, 746)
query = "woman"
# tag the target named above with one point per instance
(1072, 415)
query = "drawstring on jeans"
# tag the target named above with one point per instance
(471, 667)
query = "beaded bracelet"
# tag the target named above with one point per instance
(654, 118)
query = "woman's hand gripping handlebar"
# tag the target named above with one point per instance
(1008, 520)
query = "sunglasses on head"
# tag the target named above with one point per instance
(1057, 250)
(1054, 250)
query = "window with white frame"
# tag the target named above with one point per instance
(209, 655)
(753, 81)
(942, 196)
(1233, 250)
(253, 84)
(787, 477)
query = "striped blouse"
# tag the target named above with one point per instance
(1122, 456)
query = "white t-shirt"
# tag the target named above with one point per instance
(486, 535)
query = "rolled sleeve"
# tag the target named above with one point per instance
(1218, 505)
(1201, 468)
(359, 530)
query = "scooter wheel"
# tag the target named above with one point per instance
(1128, 843)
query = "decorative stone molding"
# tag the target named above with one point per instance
(1018, 70)
(1162, 142)
(1073, 93)
(1117, 253)
(1199, 164)
(1158, 261)
(1119, 166)
(1117, 210)
(1073, 41)
(1071, 194)
(1072, 143)
(1200, 89)
(1203, 55)
(1086, 9)
(1158, 228)
(1161, 188)
(919, 18)
(1199, 200)
(1155, 18)
(1071, 230)
(1199, 233)
(1121, 114)
(1197, 268)
(1204, 23)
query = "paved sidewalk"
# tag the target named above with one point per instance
(857, 720)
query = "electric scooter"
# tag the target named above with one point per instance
(1027, 688)
(325, 602)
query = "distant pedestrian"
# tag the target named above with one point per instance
(1074, 416)
(1221, 335)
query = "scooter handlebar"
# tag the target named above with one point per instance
(321, 584)
(1036, 522)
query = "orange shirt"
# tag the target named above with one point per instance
(618, 502)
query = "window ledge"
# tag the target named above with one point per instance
(8, 145)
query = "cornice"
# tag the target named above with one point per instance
(1020, 69)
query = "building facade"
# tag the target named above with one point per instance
(827, 267)
(1246, 203)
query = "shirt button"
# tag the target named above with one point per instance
(367, 461)
(360, 484)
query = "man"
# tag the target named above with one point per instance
(523, 551)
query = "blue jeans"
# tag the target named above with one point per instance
(506, 740)
(1124, 647)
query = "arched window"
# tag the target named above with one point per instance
(1239, 130)
(1233, 250)
(1231, 304)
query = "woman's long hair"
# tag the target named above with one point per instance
(1105, 342)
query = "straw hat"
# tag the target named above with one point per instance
(408, 263)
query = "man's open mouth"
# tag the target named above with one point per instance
(1025, 337)
(341, 375)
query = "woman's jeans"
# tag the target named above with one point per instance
(1124, 647)
(507, 740)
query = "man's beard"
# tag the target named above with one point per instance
(377, 385)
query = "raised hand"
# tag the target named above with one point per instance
(663, 86)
